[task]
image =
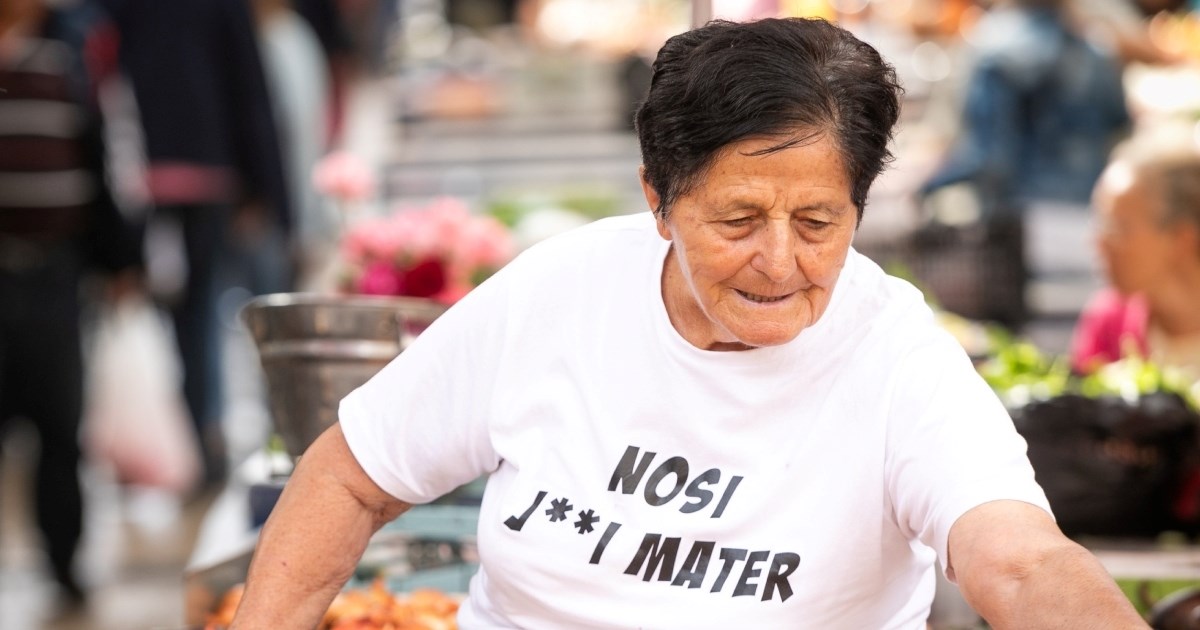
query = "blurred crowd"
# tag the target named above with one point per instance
(162, 151)
(1052, 115)
(151, 153)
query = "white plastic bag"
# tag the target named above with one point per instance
(136, 422)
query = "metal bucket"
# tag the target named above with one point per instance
(316, 348)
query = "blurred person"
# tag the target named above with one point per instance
(214, 167)
(834, 442)
(1148, 208)
(298, 86)
(1040, 112)
(326, 21)
(1121, 26)
(938, 19)
(57, 221)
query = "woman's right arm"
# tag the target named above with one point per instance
(314, 537)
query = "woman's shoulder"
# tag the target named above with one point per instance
(877, 294)
(636, 225)
(610, 237)
(887, 317)
(579, 263)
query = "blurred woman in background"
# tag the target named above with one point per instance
(1148, 207)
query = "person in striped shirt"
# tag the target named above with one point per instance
(58, 220)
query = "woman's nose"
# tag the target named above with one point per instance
(776, 255)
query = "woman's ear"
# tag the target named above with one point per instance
(653, 199)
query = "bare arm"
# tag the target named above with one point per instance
(1017, 569)
(314, 537)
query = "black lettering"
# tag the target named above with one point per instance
(515, 523)
(710, 476)
(599, 550)
(625, 473)
(733, 484)
(781, 567)
(677, 466)
(696, 565)
(744, 586)
(650, 554)
(730, 556)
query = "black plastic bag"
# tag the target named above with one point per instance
(1111, 467)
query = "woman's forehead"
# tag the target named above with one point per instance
(748, 165)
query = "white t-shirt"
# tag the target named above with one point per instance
(640, 482)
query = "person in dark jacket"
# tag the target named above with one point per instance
(57, 220)
(214, 164)
(1041, 111)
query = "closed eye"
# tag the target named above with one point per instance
(739, 222)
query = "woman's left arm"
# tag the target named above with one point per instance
(1018, 570)
(314, 537)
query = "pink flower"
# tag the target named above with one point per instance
(485, 242)
(453, 293)
(379, 278)
(419, 235)
(343, 176)
(363, 241)
(425, 279)
(439, 250)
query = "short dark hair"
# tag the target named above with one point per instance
(791, 78)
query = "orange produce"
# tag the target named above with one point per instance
(374, 608)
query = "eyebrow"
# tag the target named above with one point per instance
(838, 210)
(747, 204)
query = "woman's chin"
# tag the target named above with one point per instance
(769, 336)
(771, 326)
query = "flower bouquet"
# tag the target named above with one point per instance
(439, 251)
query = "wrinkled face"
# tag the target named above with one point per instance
(757, 246)
(1135, 246)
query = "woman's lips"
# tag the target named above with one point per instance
(763, 299)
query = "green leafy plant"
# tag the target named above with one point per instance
(1020, 372)
(1135, 376)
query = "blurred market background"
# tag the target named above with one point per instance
(520, 110)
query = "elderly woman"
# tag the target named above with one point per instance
(715, 414)
(1148, 205)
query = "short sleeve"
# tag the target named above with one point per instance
(952, 446)
(419, 428)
